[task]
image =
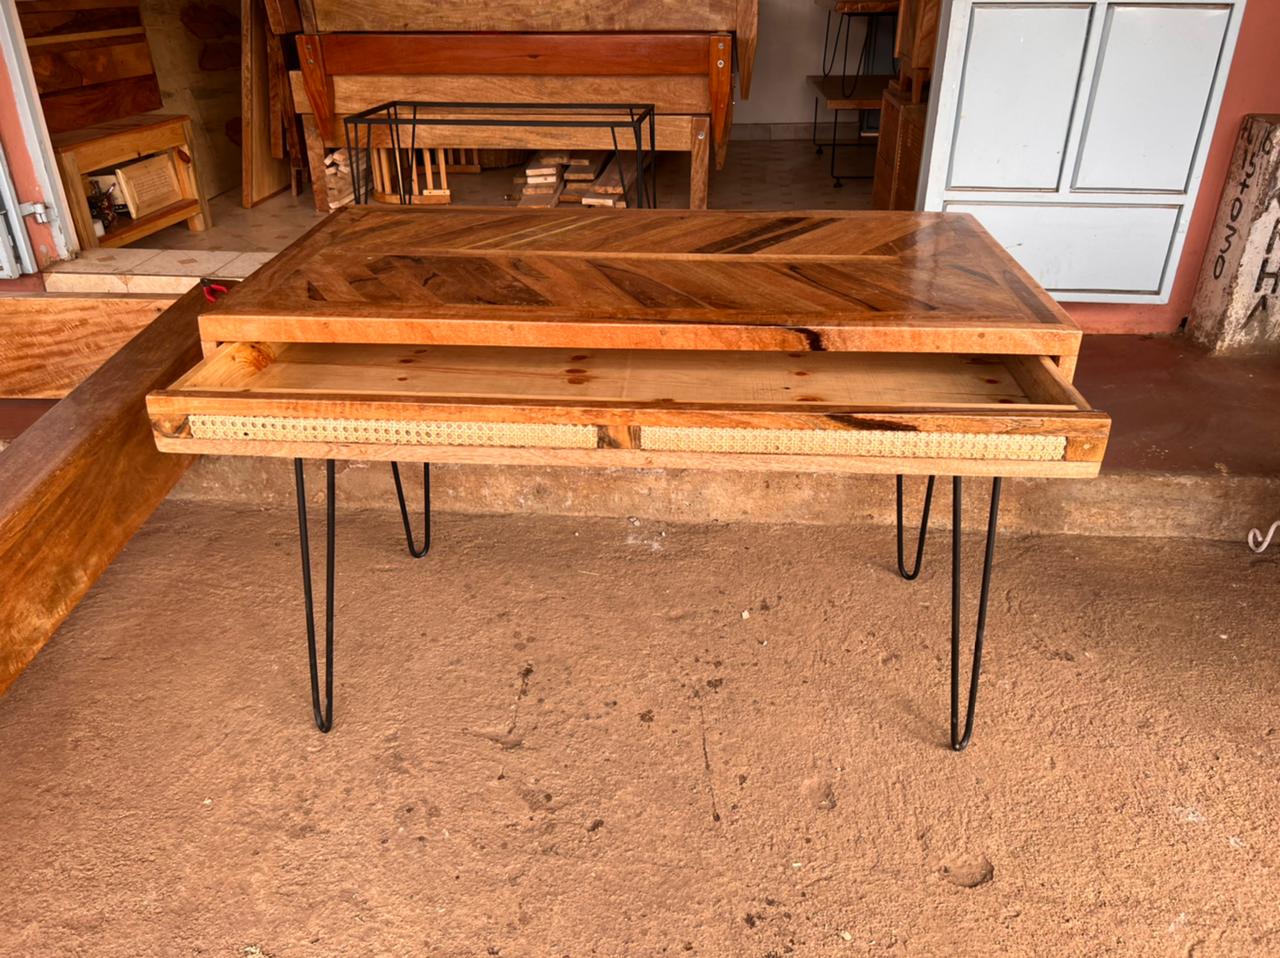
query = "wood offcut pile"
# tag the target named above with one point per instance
(588, 177)
(337, 179)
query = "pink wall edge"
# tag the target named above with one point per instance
(1253, 86)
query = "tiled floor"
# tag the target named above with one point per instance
(267, 228)
(759, 175)
(153, 271)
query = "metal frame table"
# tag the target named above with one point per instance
(413, 124)
(890, 343)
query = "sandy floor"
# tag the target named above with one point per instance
(595, 737)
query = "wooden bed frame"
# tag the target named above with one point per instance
(688, 78)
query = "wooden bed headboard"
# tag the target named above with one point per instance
(91, 63)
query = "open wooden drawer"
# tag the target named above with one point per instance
(849, 412)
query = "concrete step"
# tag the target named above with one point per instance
(1144, 504)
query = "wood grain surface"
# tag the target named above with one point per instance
(566, 16)
(77, 484)
(640, 279)
(50, 343)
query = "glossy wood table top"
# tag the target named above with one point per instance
(634, 279)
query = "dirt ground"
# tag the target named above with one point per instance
(589, 737)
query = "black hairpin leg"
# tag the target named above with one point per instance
(324, 718)
(426, 510)
(924, 531)
(960, 740)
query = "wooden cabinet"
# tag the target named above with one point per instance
(904, 109)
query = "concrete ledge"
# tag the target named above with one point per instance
(1143, 504)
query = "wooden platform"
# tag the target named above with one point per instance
(866, 342)
(77, 484)
(851, 93)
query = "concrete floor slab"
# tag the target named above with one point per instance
(566, 736)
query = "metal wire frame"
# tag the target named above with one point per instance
(593, 116)
(866, 63)
(960, 737)
(323, 717)
(414, 551)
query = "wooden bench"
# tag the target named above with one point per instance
(893, 343)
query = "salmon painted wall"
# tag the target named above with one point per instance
(16, 152)
(1253, 86)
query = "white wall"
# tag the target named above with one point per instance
(790, 48)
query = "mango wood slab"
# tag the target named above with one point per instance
(654, 279)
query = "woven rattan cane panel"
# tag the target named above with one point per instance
(789, 442)
(394, 432)
(834, 442)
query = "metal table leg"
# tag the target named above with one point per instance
(323, 718)
(959, 739)
(924, 531)
(426, 510)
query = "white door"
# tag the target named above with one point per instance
(1077, 133)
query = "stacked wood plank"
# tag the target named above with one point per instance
(585, 177)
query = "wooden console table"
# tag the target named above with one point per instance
(894, 343)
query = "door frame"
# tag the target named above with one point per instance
(34, 140)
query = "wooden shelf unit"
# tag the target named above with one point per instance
(80, 153)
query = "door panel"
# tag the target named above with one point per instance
(1021, 72)
(1156, 73)
(1083, 248)
(1078, 132)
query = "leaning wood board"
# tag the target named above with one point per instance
(872, 342)
(90, 60)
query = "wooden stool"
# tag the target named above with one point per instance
(81, 152)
